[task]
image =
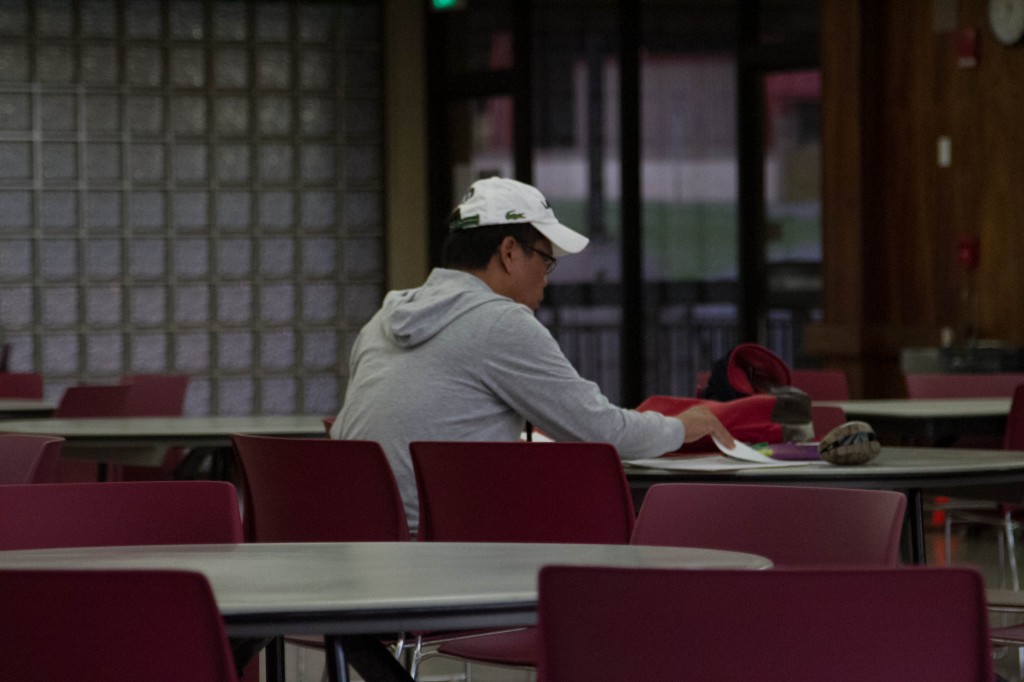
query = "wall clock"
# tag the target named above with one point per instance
(1006, 19)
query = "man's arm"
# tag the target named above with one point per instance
(699, 422)
(529, 372)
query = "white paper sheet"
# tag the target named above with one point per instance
(740, 456)
(743, 451)
(711, 463)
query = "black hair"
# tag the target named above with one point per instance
(472, 248)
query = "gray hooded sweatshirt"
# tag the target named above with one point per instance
(452, 360)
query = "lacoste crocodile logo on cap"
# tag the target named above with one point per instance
(514, 215)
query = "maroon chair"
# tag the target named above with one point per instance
(519, 492)
(962, 384)
(824, 418)
(791, 525)
(318, 490)
(607, 624)
(924, 385)
(41, 515)
(1005, 516)
(28, 385)
(522, 492)
(1013, 437)
(28, 458)
(157, 625)
(821, 384)
(153, 395)
(86, 401)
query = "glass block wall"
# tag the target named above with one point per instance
(191, 186)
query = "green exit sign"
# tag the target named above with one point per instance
(445, 5)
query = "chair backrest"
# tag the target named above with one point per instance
(825, 418)
(963, 384)
(156, 625)
(1013, 438)
(45, 515)
(603, 623)
(28, 458)
(318, 490)
(153, 395)
(791, 525)
(27, 385)
(522, 492)
(93, 401)
(821, 384)
(156, 395)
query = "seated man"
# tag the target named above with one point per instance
(464, 358)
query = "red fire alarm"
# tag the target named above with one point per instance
(967, 248)
(965, 41)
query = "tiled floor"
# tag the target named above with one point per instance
(975, 546)
(305, 665)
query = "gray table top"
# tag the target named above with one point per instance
(18, 407)
(895, 467)
(129, 432)
(938, 420)
(924, 408)
(373, 588)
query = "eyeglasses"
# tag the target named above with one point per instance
(550, 260)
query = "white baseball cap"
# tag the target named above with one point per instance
(501, 201)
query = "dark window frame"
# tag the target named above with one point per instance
(754, 61)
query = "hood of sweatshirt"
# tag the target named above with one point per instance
(413, 316)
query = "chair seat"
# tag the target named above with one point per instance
(1001, 516)
(995, 516)
(943, 503)
(515, 647)
(306, 641)
(1011, 634)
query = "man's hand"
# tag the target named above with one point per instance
(699, 422)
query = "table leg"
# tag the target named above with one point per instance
(337, 666)
(367, 655)
(245, 649)
(915, 509)
(274, 663)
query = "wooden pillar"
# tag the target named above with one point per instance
(858, 333)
